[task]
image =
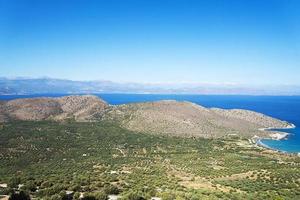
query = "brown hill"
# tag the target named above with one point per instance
(81, 108)
(163, 117)
(189, 119)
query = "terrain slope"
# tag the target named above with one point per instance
(168, 117)
(81, 108)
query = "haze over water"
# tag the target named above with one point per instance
(282, 107)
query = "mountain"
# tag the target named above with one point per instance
(184, 119)
(19, 86)
(48, 86)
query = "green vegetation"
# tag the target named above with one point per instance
(62, 160)
(19, 196)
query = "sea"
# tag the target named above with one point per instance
(282, 107)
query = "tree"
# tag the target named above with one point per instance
(76, 195)
(133, 196)
(14, 182)
(111, 189)
(167, 196)
(19, 196)
(30, 185)
(55, 197)
(101, 196)
(88, 196)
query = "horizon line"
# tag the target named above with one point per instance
(160, 83)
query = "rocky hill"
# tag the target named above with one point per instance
(81, 108)
(163, 117)
(189, 119)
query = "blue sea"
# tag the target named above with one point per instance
(282, 107)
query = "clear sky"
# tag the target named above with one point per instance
(213, 41)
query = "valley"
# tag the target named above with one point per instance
(80, 147)
(49, 158)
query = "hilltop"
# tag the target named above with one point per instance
(173, 118)
(189, 119)
(80, 108)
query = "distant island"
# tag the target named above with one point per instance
(25, 86)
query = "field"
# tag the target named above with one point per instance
(48, 159)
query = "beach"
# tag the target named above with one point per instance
(278, 135)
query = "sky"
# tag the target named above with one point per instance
(246, 42)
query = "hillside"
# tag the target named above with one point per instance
(51, 158)
(189, 119)
(174, 118)
(105, 150)
(81, 108)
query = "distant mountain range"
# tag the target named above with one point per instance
(19, 86)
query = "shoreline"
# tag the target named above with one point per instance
(290, 126)
(277, 135)
(260, 144)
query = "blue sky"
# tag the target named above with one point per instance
(252, 42)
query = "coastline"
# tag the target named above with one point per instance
(277, 135)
